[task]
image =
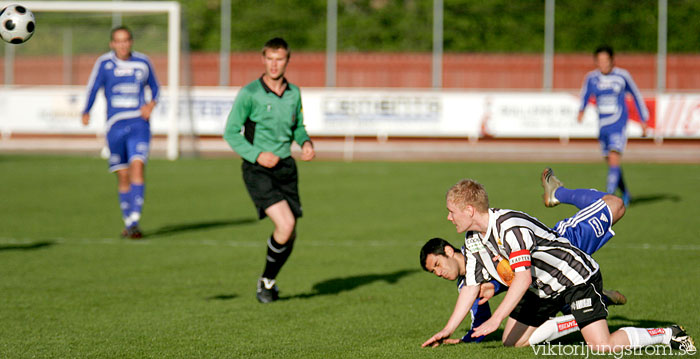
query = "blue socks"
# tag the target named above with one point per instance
(125, 205)
(581, 198)
(130, 204)
(136, 203)
(614, 178)
(481, 313)
(616, 181)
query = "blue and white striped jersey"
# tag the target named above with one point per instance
(124, 83)
(609, 91)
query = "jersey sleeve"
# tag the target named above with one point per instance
(586, 92)
(519, 242)
(300, 135)
(631, 87)
(95, 82)
(241, 110)
(475, 271)
(153, 82)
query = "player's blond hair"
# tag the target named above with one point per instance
(469, 192)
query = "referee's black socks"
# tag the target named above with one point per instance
(277, 255)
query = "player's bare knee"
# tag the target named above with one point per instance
(286, 228)
(514, 343)
(511, 339)
(123, 180)
(136, 170)
(522, 344)
(616, 205)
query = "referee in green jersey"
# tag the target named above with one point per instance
(269, 112)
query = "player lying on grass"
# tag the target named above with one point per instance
(480, 311)
(549, 270)
(590, 242)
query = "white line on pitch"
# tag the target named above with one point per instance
(261, 243)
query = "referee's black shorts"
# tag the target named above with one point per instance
(268, 186)
(585, 300)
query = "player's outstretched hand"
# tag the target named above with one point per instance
(486, 328)
(580, 117)
(268, 159)
(86, 119)
(437, 339)
(644, 129)
(307, 151)
(486, 292)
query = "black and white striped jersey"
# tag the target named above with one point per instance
(477, 266)
(528, 244)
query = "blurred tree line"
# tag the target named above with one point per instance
(396, 26)
(469, 25)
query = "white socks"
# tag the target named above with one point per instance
(561, 326)
(639, 337)
(553, 329)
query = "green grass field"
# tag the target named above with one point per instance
(353, 288)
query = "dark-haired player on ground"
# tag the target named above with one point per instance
(589, 241)
(548, 270)
(269, 112)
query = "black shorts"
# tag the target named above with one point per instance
(586, 301)
(268, 186)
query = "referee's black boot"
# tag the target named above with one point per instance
(267, 290)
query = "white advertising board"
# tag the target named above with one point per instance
(357, 112)
(678, 116)
(48, 110)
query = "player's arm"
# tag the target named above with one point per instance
(147, 109)
(489, 289)
(242, 107)
(638, 102)
(517, 289)
(518, 242)
(465, 300)
(586, 91)
(95, 82)
(301, 137)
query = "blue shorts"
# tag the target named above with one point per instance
(128, 140)
(589, 229)
(612, 141)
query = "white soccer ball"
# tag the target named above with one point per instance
(16, 24)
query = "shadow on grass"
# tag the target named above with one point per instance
(650, 198)
(223, 297)
(339, 285)
(27, 246)
(189, 227)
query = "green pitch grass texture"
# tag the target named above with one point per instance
(353, 288)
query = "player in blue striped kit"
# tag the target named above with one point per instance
(609, 85)
(123, 75)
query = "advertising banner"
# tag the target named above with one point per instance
(361, 112)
